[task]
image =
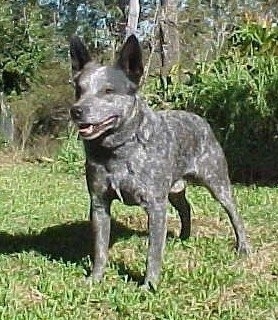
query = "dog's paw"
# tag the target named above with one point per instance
(244, 249)
(149, 286)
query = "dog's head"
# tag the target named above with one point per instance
(105, 94)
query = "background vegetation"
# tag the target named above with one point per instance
(227, 71)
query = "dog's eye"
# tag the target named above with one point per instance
(109, 90)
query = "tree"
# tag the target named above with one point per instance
(168, 35)
(24, 45)
(133, 17)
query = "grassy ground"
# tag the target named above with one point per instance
(44, 247)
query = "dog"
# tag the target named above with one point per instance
(140, 156)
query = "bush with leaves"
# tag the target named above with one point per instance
(25, 43)
(44, 109)
(70, 158)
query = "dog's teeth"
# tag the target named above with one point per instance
(118, 191)
(87, 130)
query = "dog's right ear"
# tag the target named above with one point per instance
(130, 59)
(79, 54)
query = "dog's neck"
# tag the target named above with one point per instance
(127, 130)
(136, 127)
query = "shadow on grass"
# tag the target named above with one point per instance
(70, 242)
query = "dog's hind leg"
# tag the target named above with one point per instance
(223, 194)
(217, 181)
(179, 202)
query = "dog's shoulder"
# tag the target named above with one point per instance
(188, 120)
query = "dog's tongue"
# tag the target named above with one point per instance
(86, 130)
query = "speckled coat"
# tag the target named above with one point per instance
(140, 156)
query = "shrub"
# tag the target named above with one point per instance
(44, 109)
(70, 157)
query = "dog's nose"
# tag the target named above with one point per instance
(76, 112)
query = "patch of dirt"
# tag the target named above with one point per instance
(232, 296)
(261, 263)
(10, 158)
(23, 295)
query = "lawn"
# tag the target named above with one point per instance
(44, 247)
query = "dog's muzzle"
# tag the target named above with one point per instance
(91, 130)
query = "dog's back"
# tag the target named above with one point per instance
(195, 144)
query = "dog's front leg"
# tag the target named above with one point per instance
(157, 224)
(101, 221)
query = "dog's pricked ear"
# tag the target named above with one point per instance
(130, 59)
(79, 54)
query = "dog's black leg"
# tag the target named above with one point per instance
(179, 202)
(221, 190)
(101, 221)
(157, 223)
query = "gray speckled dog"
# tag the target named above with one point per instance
(142, 157)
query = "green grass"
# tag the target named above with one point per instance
(44, 247)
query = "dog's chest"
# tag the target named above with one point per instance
(134, 178)
(129, 179)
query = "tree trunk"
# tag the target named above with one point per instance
(169, 36)
(133, 17)
(7, 128)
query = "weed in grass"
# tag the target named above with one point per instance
(70, 158)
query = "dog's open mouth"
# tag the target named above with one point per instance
(92, 131)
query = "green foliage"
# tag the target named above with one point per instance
(24, 45)
(255, 36)
(235, 97)
(43, 110)
(70, 157)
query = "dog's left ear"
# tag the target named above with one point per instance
(79, 54)
(130, 59)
